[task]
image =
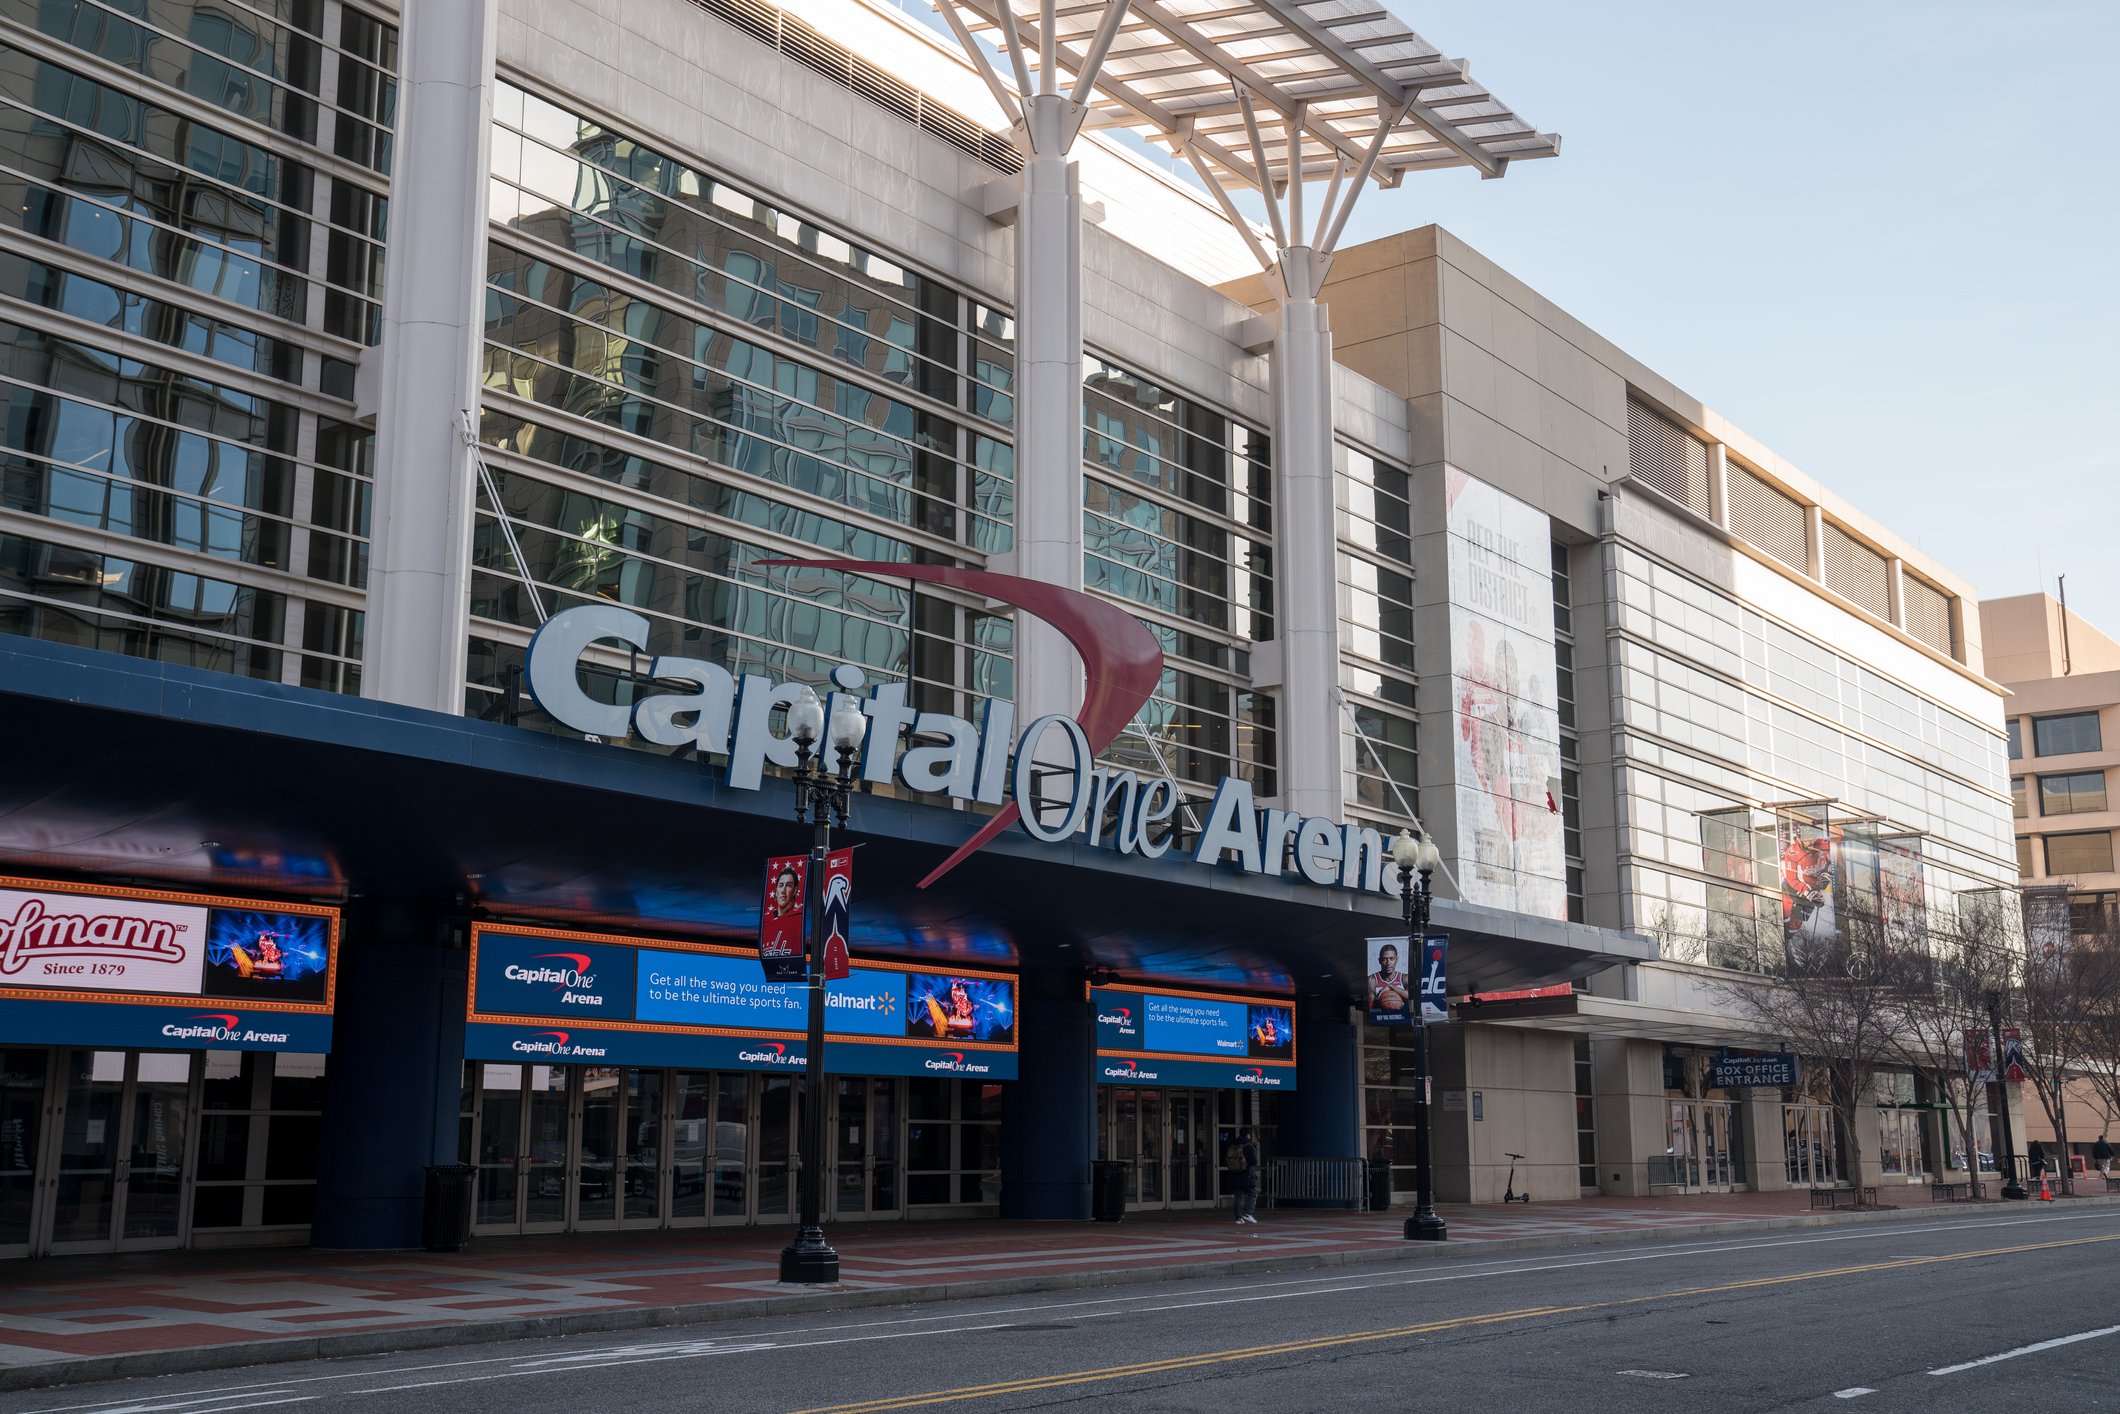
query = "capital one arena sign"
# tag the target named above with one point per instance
(988, 761)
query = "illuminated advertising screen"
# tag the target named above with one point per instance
(1150, 1036)
(148, 968)
(596, 998)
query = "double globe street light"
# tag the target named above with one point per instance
(821, 797)
(1417, 858)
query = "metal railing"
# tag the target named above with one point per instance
(1337, 1182)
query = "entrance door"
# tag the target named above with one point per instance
(22, 1079)
(522, 1128)
(1702, 1150)
(123, 1161)
(864, 1148)
(1167, 1139)
(1808, 1150)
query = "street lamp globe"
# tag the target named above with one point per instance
(806, 716)
(1406, 850)
(848, 726)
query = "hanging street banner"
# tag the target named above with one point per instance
(1979, 1056)
(1774, 1070)
(780, 920)
(1390, 986)
(1435, 996)
(2012, 1056)
(541, 995)
(838, 899)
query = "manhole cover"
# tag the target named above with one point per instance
(1653, 1374)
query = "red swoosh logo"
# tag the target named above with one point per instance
(1121, 660)
(221, 1016)
(561, 1034)
(580, 960)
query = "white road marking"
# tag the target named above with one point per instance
(1853, 1392)
(2028, 1350)
(1123, 1305)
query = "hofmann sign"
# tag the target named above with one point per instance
(988, 762)
(164, 971)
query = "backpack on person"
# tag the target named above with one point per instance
(1233, 1158)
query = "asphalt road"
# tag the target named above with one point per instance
(1952, 1313)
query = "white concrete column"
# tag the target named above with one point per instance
(1048, 400)
(433, 323)
(1306, 560)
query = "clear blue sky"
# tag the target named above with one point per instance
(1880, 237)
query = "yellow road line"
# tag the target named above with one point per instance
(1030, 1384)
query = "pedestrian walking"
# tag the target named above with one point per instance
(2102, 1155)
(1242, 1161)
(2035, 1155)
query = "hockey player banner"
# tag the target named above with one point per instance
(780, 919)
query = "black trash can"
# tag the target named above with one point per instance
(447, 1221)
(1107, 1190)
(1379, 1187)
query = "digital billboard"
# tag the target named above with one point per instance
(637, 1001)
(1151, 1036)
(142, 967)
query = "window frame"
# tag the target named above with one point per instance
(2039, 746)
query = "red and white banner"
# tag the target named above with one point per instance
(1979, 1056)
(2012, 1056)
(838, 901)
(780, 918)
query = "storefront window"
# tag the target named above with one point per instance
(261, 1120)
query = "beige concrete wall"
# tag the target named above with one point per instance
(2024, 642)
(1633, 1116)
(1526, 1083)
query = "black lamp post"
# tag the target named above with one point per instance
(2011, 1188)
(1417, 857)
(820, 798)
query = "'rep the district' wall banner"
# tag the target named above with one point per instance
(144, 968)
(543, 996)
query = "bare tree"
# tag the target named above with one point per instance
(1947, 966)
(2100, 1049)
(2056, 1002)
(1838, 1000)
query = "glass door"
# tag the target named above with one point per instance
(124, 1151)
(774, 1188)
(690, 1137)
(154, 1172)
(641, 1177)
(547, 1147)
(1808, 1150)
(1153, 1149)
(1125, 1143)
(595, 1157)
(864, 1147)
(735, 1122)
(497, 1147)
(23, 1074)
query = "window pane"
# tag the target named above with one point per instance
(2074, 794)
(2059, 736)
(2017, 797)
(2080, 854)
(2016, 739)
(2024, 856)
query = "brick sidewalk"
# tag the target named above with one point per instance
(75, 1308)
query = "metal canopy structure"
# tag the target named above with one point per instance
(1256, 91)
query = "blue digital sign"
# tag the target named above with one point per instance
(722, 1001)
(1147, 1037)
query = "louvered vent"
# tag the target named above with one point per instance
(1773, 520)
(1857, 573)
(813, 50)
(1929, 615)
(1664, 455)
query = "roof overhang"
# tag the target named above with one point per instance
(1583, 1014)
(1236, 82)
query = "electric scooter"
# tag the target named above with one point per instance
(1509, 1194)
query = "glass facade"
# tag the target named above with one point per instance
(683, 379)
(1728, 709)
(1377, 663)
(186, 282)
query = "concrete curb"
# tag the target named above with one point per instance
(87, 1369)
